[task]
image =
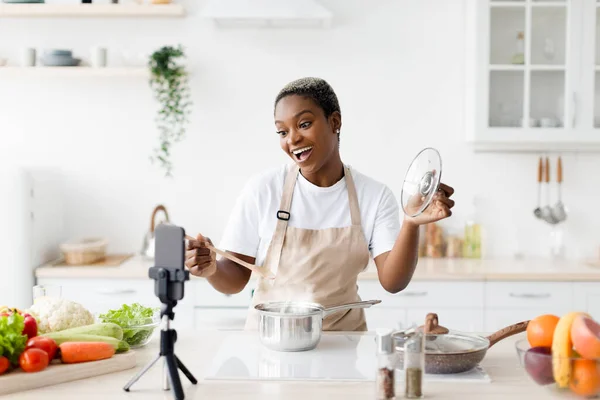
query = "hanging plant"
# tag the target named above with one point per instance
(169, 82)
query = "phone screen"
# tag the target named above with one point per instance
(170, 246)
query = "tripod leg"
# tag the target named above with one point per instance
(165, 376)
(185, 371)
(174, 374)
(142, 372)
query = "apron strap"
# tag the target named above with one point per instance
(352, 198)
(283, 215)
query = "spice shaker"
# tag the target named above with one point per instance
(414, 365)
(384, 376)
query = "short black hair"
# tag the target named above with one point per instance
(317, 89)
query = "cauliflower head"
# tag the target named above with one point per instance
(57, 314)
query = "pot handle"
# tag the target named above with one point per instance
(359, 304)
(508, 331)
(158, 208)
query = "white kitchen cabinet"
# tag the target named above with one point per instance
(100, 295)
(226, 318)
(531, 74)
(385, 317)
(507, 303)
(432, 294)
(587, 298)
(459, 305)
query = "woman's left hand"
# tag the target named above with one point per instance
(439, 208)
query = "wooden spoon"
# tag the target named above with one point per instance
(254, 268)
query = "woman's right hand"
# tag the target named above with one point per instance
(200, 260)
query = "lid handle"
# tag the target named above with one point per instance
(432, 325)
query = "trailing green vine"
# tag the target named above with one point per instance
(169, 81)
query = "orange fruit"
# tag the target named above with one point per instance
(585, 335)
(540, 330)
(585, 377)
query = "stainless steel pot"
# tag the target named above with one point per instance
(296, 326)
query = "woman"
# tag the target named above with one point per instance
(316, 222)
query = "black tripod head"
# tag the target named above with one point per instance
(169, 270)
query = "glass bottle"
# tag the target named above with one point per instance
(384, 376)
(414, 365)
(472, 240)
(519, 56)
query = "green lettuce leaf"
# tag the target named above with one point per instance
(12, 341)
(130, 318)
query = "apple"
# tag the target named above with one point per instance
(538, 363)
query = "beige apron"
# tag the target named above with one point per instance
(320, 266)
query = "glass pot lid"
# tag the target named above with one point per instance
(421, 182)
(448, 343)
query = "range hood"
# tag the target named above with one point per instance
(268, 13)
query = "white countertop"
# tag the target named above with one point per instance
(428, 269)
(197, 350)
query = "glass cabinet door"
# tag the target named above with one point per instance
(528, 61)
(596, 99)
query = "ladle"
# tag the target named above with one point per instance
(559, 211)
(547, 210)
(538, 210)
(254, 268)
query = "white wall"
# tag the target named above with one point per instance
(397, 67)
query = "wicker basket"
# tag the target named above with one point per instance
(85, 251)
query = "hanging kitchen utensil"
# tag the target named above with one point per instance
(453, 352)
(421, 181)
(254, 268)
(295, 325)
(559, 210)
(538, 210)
(149, 241)
(547, 210)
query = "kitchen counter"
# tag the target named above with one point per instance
(428, 269)
(197, 350)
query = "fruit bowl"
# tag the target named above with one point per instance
(537, 361)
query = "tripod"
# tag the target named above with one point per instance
(168, 336)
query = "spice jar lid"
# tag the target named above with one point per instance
(385, 342)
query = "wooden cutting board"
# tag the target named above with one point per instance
(18, 381)
(111, 260)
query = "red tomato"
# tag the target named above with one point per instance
(33, 360)
(4, 364)
(43, 343)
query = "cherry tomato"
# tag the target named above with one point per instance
(4, 364)
(43, 343)
(33, 360)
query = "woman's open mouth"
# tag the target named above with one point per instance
(303, 153)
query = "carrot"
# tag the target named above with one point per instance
(76, 352)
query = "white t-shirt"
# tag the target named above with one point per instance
(254, 217)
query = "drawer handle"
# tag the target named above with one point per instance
(413, 294)
(117, 291)
(530, 295)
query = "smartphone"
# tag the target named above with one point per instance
(169, 254)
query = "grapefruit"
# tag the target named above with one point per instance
(585, 335)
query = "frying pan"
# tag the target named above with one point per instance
(448, 352)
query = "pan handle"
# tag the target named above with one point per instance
(506, 332)
(359, 304)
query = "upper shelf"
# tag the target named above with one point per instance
(74, 72)
(90, 10)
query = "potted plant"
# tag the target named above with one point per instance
(169, 82)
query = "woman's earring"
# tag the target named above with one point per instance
(338, 131)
